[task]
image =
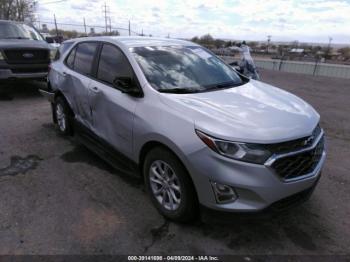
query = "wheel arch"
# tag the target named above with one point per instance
(58, 94)
(148, 146)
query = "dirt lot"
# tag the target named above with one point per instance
(56, 197)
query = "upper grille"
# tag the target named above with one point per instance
(27, 56)
(294, 145)
(300, 164)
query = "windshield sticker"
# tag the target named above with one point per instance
(201, 53)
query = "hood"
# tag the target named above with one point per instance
(254, 112)
(23, 43)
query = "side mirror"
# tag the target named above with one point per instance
(49, 40)
(235, 63)
(127, 85)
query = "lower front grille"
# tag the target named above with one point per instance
(29, 70)
(294, 166)
(292, 200)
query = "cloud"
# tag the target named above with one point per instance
(248, 19)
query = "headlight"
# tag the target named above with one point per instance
(247, 152)
(1, 56)
(53, 54)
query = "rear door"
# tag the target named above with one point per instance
(77, 74)
(113, 110)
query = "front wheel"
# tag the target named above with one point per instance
(169, 186)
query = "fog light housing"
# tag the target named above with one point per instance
(223, 193)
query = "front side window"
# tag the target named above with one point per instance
(84, 57)
(18, 31)
(113, 66)
(184, 69)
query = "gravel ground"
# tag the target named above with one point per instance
(56, 197)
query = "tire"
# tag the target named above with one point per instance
(161, 161)
(62, 116)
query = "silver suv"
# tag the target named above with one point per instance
(197, 131)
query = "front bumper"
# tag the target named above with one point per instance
(50, 96)
(23, 71)
(258, 186)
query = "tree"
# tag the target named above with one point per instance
(18, 10)
(345, 52)
(195, 39)
(207, 40)
(219, 43)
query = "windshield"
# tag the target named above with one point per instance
(18, 31)
(184, 69)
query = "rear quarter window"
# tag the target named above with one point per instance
(62, 49)
(70, 58)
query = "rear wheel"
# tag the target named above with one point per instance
(169, 185)
(62, 115)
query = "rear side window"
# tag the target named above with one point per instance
(113, 65)
(84, 57)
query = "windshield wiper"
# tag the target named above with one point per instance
(222, 85)
(178, 90)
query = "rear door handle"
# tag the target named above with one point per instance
(64, 73)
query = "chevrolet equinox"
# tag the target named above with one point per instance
(199, 133)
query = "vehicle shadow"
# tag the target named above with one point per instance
(299, 226)
(20, 89)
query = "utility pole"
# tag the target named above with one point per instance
(329, 47)
(142, 32)
(85, 27)
(105, 11)
(129, 29)
(268, 43)
(54, 17)
(329, 43)
(39, 23)
(110, 24)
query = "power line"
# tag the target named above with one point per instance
(82, 25)
(52, 2)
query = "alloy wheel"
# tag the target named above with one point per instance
(165, 185)
(61, 117)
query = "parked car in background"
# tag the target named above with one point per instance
(23, 52)
(196, 130)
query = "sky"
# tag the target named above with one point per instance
(285, 20)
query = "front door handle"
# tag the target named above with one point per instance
(64, 73)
